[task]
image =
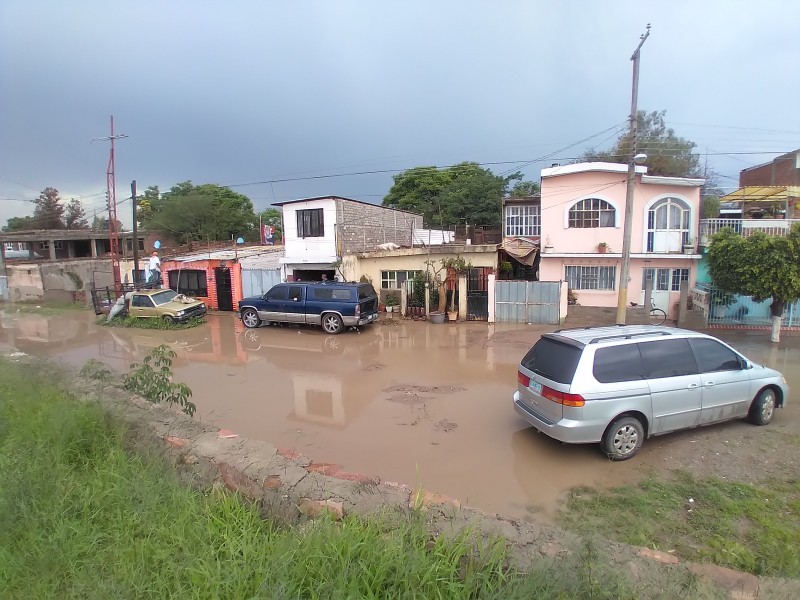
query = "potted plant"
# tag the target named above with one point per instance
(506, 269)
(391, 302)
(602, 247)
(448, 268)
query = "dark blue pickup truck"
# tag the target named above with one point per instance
(332, 305)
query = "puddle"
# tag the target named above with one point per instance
(418, 403)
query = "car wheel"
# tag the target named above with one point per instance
(332, 323)
(623, 438)
(763, 408)
(168, 319)
(250, 318)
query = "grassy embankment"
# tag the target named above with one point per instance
(149, 323)
(753, 528)
(82, 518)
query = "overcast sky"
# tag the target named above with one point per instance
(238, 92)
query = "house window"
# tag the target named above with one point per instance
(10, 246)
(668, 225)
(522, 221)
(392, 280)
(592, 212)
(310, 223)
(590, 278)
(191, 282)
(665, 280)
(59, 245)
(679, 275)
(44, 245)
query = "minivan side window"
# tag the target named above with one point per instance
(278, 293)
(552, 359)
(667, 358)
(618, 363)
(712, 356)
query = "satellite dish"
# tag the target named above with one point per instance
(240, 240)
(157, 245)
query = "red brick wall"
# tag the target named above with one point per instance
(782, 171)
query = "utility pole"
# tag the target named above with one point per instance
(135, 235)
(111, 184)
(622, 297)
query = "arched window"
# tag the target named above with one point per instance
(668, 225)
(592, 212)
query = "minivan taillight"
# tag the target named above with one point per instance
(523, 379)
(562, 397)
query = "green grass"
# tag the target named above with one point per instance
(746, 527)
(139, 323)
(82, 518)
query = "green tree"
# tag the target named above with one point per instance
(75, 216)
(760, 266)
(203, 212)
(463, 193)
(710, 207)
(525, 189)
(49, 212)
(272, 217)
(144, 207)
(20, 224)
(667, 154)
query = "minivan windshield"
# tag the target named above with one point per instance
(553, 360)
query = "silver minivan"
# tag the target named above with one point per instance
(620, 385)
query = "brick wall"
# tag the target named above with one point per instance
(361, 227)
(784, 170)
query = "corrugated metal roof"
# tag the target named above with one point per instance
(432, 237)
(241, 253)
(753, 193)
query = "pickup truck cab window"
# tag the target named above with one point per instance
(141, 301)
(278, 293)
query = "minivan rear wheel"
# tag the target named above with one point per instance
(623, 438)
(763, 408)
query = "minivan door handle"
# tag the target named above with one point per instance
(693, 386)
(709, 384)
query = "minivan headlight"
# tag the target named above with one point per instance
(783, 379)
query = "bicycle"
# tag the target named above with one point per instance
(656, 316)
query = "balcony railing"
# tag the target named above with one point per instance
(745, 227)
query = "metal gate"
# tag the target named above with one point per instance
(527, 301)
(222, 278)
(257, 282)
(478, 294)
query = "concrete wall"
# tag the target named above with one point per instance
(413, 259)
(52, 280)
(363, 227)
(784, 170)
(310, 249)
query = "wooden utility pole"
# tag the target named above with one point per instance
(135, 235)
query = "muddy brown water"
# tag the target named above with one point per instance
(427, 405)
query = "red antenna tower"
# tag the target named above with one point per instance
(111, 197)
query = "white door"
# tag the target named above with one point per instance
(661, 283)
(669, 223)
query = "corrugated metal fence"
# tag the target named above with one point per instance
(527, 301)
(256, 282)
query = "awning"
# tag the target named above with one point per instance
(521, 249)
(752, 193)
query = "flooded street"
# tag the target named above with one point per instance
(408, 401)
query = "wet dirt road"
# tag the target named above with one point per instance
(410, 402)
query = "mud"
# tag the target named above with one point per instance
(425, 405)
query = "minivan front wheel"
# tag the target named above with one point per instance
(763, 408)
(623, 438)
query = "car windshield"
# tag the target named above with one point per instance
(163, 297)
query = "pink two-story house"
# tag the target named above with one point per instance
(583, 209)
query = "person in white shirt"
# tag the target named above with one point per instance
(154, 268)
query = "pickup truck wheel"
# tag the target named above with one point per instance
(250, 318)
(623, 438)
(332, 323)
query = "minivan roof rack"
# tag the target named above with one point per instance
(627, 336)
(588, 327)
